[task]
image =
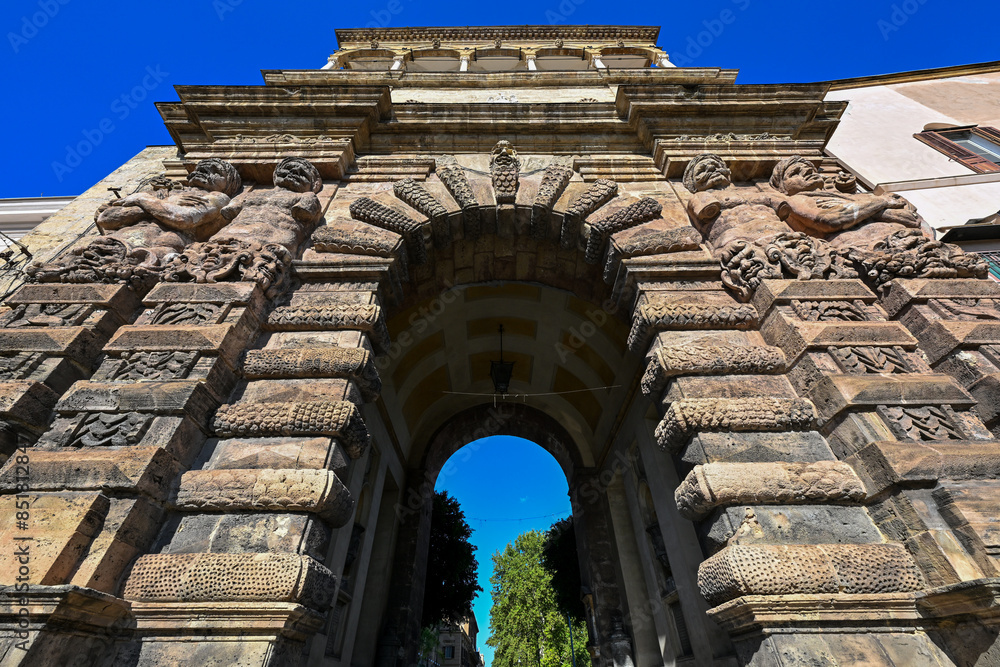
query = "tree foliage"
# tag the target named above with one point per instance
(526, 626)
(451, 564)
(560, 559)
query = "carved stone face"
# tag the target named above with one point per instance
(801, 176)
(710, 173)
(214, 175)
(297, 175)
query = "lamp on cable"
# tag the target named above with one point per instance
(501, 371)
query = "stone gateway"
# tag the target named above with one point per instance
(223, 411)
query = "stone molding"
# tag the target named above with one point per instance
(355, 364)
(686, 417)
(808, 569)
(340, 419)
(780, 483)
(218, 577)
(318, 491)
(658, 314)
(693, 359)
(361, 317)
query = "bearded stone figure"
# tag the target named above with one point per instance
(267, 226)
(143, 231)
(504, 168)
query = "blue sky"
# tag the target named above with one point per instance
(76, 71)
(506, 486)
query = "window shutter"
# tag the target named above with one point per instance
(964, 157)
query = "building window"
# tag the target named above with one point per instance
(975, 147)
(449, 651)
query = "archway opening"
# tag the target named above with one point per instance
(507, 486)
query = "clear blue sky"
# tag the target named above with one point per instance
(66, 64)
(506, 486)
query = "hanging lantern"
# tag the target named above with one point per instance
(501, 371)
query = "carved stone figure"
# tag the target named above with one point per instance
(504, 166)
(147, 228)
(266, 229)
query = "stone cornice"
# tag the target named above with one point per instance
(916, 75)
(646, 35)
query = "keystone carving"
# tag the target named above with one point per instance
(655, 315)
(644, 210)
(669, 361)
(318, 491)
(554, 181)
(221, 577)
(504, 169)
(340, 419)
(597, 194)
(725, 484)
(686, 417)
(807, 569)
(370, 211)
(454, 178)
(355, 364)
(352, 316)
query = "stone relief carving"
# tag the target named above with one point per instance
(358, 316)
(134, 366)
(832, 311)
(725, 484)
(807, 569)
(416, 196)
(650, 242)
(193, 314)
(356, 364)
(644, 210)
(222, 577)
(654, 315)
(927, 423)
(693, 359)
(110, 429)
(143, 231)
(504, 169)
(317, 491)
(340, 419)
(554, 181)
(870, 359)
(370, 211)
(686, 417)
(454, 178)
(21, 365)
(597, 194)
(968, 310)
(46, 315)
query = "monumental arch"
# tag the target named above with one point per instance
(226, 403)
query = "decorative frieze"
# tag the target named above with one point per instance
(831, 311)
(149, 366)
(686, 417)
(723, 484)
(352, 316)
(213, 577)
(340, 419)
(740, 570)
(317, 491)
(657, 314)
(696, 359)
(355, 364)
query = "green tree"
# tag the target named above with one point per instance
(526, 626)
(451, 564)
(560, 559)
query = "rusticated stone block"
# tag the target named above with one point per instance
(317, 491)
(773, 292)
(803, 446)
(722, 484)
(249, 532)
(340, 419)
(740, 570)
(787, 524)
(225, 340)
(356, 364)
(286, 453)
(884, 464)
(941, 337)
(27, 402)
(901, 293)
(987, 391)
(658, 314)
(188, 397)
(360, 317)
(245, 294)
(231, 578)
(795, 336)
(116, 298)
(684, 418)
(54, 538)
(835, 393)
(77, 343)
(670, 361)
(148, 470)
